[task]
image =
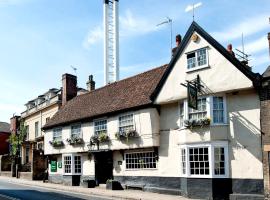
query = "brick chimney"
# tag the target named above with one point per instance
(14, 124)
(178, 40)
(69, 87)
(268, 37)
(90, 84)
(229, 49)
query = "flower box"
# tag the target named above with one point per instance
(125, 135)
(192, 123)
(56, 143)
(100, 138)
(75, 140)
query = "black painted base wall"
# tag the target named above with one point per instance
(75, 180)
(202, 188)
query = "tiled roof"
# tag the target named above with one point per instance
(4, 127)
(129, 93)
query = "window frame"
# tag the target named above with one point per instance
(209, 110)
(72, 166)
(211, 146)
(99, 120)
(197, 67)
(73, 125)
(54, 130)
(133, 121)
(137, 169)
(37, 129)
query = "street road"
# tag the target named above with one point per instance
(12, 191)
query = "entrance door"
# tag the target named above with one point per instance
(103, 166)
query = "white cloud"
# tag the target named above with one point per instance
(256, 46)
(95, 35)
(251, 26)
(190, 7)
(131, 25)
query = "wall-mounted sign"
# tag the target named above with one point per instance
(53, 166)
(192, 96)
(59, 164)
(194, 37)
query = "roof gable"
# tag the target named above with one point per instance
(194, 27)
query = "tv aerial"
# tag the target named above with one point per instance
(74, 69)
(193, 7)
(168, 21)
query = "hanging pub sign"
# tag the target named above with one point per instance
(192, 94)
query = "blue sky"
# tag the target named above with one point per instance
(40, 39)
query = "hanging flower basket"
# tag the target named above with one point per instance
(192, 123)
(56, 143)
(75, 140)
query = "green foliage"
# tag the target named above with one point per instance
(16, 139)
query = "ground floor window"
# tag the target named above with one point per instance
(141, 160)
(205, 160)
(72, 164)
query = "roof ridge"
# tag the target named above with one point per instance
(111, 84)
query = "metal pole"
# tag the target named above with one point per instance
(116, 41)
(105, 25)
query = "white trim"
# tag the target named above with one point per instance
(211, 146)
(196, 63)
(127, 113)
(72, 155)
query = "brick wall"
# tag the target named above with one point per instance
(265, 128)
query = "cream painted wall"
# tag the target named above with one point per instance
(242, 132)
(220, 76)
(146, 122)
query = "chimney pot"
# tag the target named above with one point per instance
(91, 83)
(229, 49)
(178, 40)
(69, 87)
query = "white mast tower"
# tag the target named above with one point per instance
(111, 41)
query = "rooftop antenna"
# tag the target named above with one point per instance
(242, 55)
(192, 7)
(168, 21)
(74, 69)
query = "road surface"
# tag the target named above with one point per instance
(12, 191)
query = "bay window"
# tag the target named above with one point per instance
(218, 110)
(72, 164)
(201, 113)
(205, 160)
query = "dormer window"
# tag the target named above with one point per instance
(197, 58)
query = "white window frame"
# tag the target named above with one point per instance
(224, 110)
(72, 164)
(77, 124)
(37, 129)
(137, 169)
(209, 110)
(196, 58)
(207, 104)
(57, 129)
(99, 120)
(133, 120)
(211, 146)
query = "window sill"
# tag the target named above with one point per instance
(197, 68)
(206, 176)
(149, 169)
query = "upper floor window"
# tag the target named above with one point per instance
(218, 110)
(182, 114)
(27, 132)
(47, 119)
(197, 58)
(201, 112)
(100, 126)
(57, 134)
(36, 129)
(126, 123)
(76, 130)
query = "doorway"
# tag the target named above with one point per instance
(103, 166)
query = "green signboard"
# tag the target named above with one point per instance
(59, 164)
(53, 166)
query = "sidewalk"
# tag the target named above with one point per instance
(117, 194)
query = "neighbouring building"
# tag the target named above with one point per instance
(4, 135)
(265, 123)
(142, 132)
(38, 112)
